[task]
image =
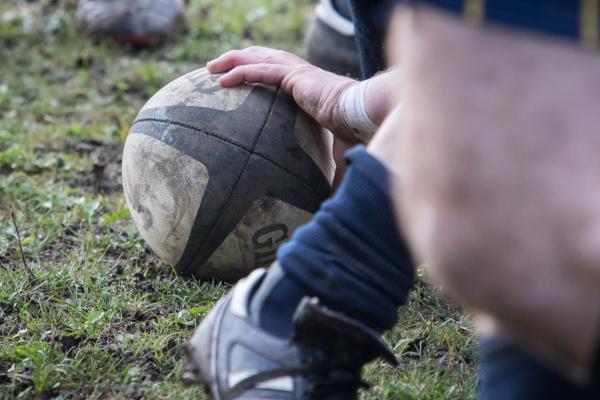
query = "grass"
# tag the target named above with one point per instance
(103, 317)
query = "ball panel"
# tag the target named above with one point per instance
(225, 164)
(278, 144)
(260, 179)
(239, 127)
(316, 142)
(199, 88)
(253, 242)
(163, 190)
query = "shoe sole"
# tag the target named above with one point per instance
(201, 366)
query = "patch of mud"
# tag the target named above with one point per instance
(142, 284)
(54, 253)
(115, 274)
(65, 343)
(4, 259)
(50, 254)
(148, 363)
(105, 175)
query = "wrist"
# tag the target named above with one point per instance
(353, 113)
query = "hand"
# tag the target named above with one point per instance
(315, 90)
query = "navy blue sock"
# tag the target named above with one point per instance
(350, 255)
(275, 301)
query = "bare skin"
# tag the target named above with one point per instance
(498, 178)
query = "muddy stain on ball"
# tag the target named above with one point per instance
(163, 189)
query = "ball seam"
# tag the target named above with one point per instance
(251, 151)
(234, 187)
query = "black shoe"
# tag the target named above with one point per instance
(330, 44)
(234, 358)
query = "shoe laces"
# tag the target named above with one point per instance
(321, 382)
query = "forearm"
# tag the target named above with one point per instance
(382, 94)
(363, 106)
(498, 216)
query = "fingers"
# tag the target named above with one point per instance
(232, 59)
(316, 91)
(268, 74)
(252, 55)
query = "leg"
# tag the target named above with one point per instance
(507, 372)
(261, 341)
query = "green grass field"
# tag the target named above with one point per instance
(101, 316)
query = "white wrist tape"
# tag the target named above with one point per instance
(353, 112)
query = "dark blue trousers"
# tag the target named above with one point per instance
(507, 372)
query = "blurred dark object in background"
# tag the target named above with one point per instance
(139, 22)
(331, 43)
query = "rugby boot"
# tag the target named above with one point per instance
(131, 21)
(234, 358)
(330, 44)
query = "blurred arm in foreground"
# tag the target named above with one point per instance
(498, 178)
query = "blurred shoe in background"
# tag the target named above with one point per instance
(139, 22)
(330, 43)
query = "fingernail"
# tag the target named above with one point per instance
(221, 79)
